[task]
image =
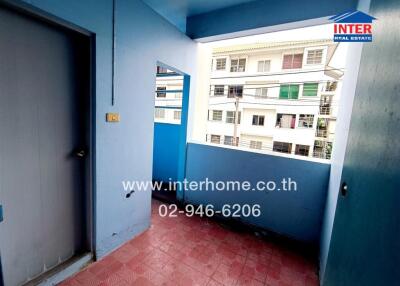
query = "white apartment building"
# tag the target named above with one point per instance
(168, 97)
(284, 93)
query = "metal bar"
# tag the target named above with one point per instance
(113, 54)
(168, 107)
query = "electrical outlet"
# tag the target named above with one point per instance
(112, 117)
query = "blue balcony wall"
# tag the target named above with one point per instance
(124, 151)
(294, 214)
(166, 151)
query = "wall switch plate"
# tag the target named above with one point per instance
(112, 117)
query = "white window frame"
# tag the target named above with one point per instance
(260, 92)
(235, 87)
(232, 117)
(303, 145)
(263, 61)
(292, 54)
(258, 120)
(232, 141)
(177, 112)
(254, 144)
(307, 116)
(305, 55)
(162, 89)
(216, 63)
(157, 113)
(281, 144)
(213, 136)
(237, 66)
(219, 85)
(279, 125)
(212, 115)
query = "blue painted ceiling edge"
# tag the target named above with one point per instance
(206, 18)
(262, 13)
(177, 11)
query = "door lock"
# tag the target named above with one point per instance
(80, 153)
(344, 189)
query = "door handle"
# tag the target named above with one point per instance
(80, 153)
(344, 189)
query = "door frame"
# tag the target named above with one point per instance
(90, 178)
(183, 128)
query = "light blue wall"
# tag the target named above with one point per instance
(124, 150)
(339, 150)
(294, 214)
(258, 14)
(365, 244)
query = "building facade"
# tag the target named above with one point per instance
(275, 97)
(168, 96)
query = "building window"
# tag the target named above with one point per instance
(238, 65)
(258, 120)
(294, 61)
(161, 91)
(177, 114)
(322, 149)
(235, 91)
(282, 147)
(302, 150)
(162, 70)
(229, 140)
(310, 89)
(261, 92)
(159, 113)
(286, 120)
(216, 139)
(306, 120)
(331, 86)
(264, 66)
(314, 57)
(220, 64)
(219, 90)
(289, 91)
(178, 95)
(230, 117)
(255, 144)
(216, 115)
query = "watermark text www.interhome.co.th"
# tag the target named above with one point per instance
(285, 184)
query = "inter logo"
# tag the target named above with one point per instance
(354, 26)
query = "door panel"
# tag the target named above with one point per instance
(365, 243)
(44, 80)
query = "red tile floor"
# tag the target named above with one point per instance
(197, 251)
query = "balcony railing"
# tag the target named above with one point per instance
(331, 86)
(321, 133)
(321, 155)
(325, 110)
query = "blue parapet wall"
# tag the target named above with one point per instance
(166, 151)
(294, 214)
